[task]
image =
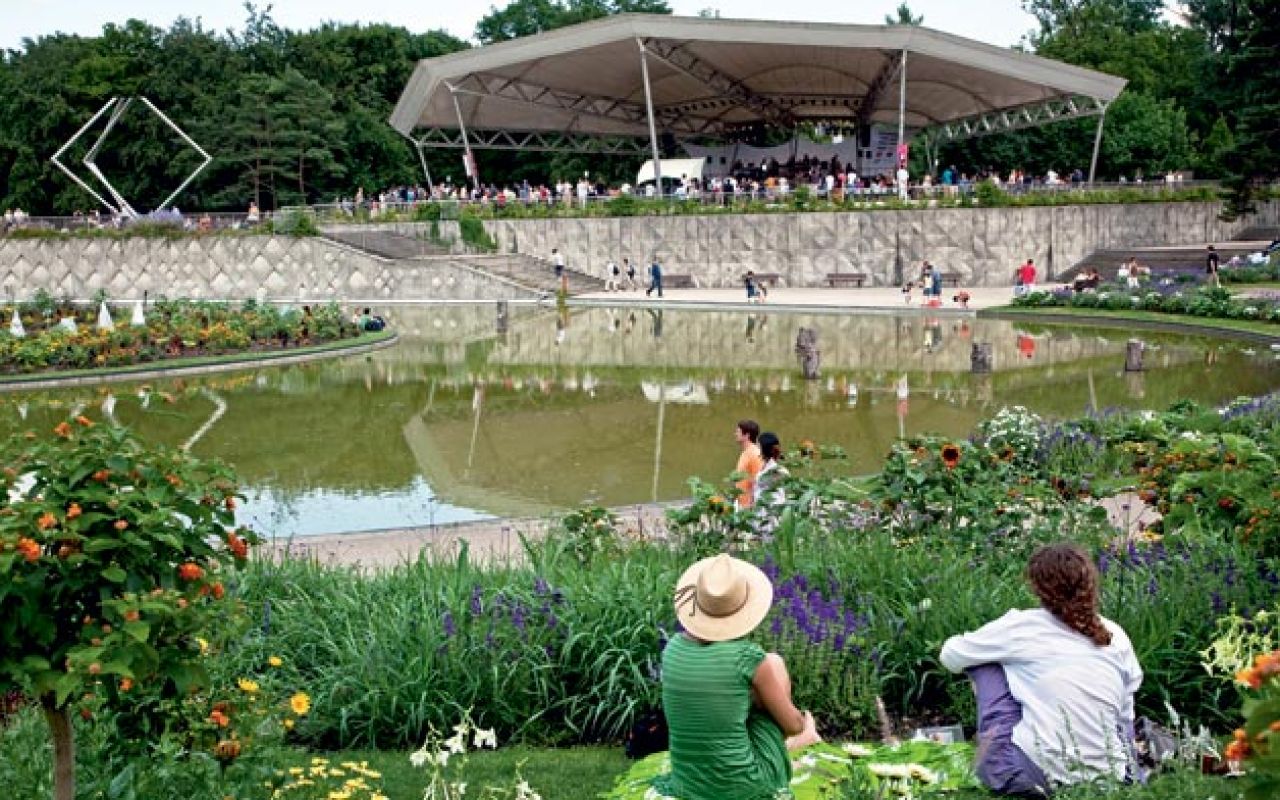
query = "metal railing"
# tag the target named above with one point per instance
(517, 205)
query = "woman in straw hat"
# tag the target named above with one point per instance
(728, 703)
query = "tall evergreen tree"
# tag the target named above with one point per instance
(1255, 79)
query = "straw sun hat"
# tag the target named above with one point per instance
(722, 598)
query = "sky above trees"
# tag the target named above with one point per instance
(1000, 22)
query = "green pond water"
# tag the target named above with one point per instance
(461, 422)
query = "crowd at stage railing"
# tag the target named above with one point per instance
(770, 181)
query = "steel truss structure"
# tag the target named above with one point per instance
(449, 139)
(1057, 109)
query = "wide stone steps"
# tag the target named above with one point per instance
(533, 272)
(1189, 258)
(385, 244)
(1259, 233)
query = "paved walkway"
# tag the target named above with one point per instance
(881, 299)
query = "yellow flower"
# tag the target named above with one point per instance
(300, 703)
(247, 686)
(288, 724)
(204, 646)
(275, 661)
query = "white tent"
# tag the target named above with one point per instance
(687, 169)
(139, 319)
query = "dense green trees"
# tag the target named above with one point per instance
(289, 117)
(301, 116)
(1192, 87)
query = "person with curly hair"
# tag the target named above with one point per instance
(1054, 684)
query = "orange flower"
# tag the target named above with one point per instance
(101, 475)
(85, 421)
(190, 572)
(121, 525)
(126, 684)
(131, 615)
(238, 547)
(950, 456)
(73, 511)
(174, 481)
(47, 520)
(218, 591)
(29, 549)
(219, 718)
(1237, 751)
(63, 430)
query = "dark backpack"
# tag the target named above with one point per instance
(648, 735)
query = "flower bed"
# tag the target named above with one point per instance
(174, 330)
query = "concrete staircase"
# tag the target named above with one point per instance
(536, 273)
(385, 244)
(1259, 233)
(1186, 258)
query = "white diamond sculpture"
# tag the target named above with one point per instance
(118, 106)
(104, 318)
(15, 327)
(139, 319)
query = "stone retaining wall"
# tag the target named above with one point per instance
(984, 245)
(308, 269)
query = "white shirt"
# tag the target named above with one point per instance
(559, 259)
(1076, 697)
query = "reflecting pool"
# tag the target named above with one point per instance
(462, 420)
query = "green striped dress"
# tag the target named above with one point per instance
(721, 747)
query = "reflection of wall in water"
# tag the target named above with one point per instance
(860, 343)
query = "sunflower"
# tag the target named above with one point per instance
(950, 455)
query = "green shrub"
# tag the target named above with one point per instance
(474, 234)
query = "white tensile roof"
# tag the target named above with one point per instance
(709, 75)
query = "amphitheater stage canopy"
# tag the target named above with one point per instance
(622, 83)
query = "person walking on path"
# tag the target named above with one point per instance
(557, 262)
(750, 282)
(612, 277)
(935, 281)
(655, 278)
(1211, 264)
(750, 462)
(629, 270)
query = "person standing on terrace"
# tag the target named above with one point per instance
(1054, 684)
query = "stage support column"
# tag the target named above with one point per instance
(902, 105)
(466, 142)
(1097, 145)
(653, 125)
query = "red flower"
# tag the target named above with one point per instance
(190, 572)
(950, 456)
(85, 421)
(63, 430)
(238, 547)
(218, 591)
(47, 520)
(121, 525)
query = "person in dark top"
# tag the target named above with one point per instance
(655, 278)
(1211, 264)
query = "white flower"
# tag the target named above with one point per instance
(922, 773)
(485, 737)
(456, 743)
(442, 758)
(890, 770)
(858, 750)
(419, 758)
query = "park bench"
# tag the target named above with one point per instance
(670, 281)
(846, 279)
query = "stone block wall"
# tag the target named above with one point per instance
(235, 267)
(982, 244)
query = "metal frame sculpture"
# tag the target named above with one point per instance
(118, 106)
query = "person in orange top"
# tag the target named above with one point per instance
(749, 461)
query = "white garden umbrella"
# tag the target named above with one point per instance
(139, 319)
(15, 328)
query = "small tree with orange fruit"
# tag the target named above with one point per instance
(112, 560)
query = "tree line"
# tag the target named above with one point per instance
(301, 116)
